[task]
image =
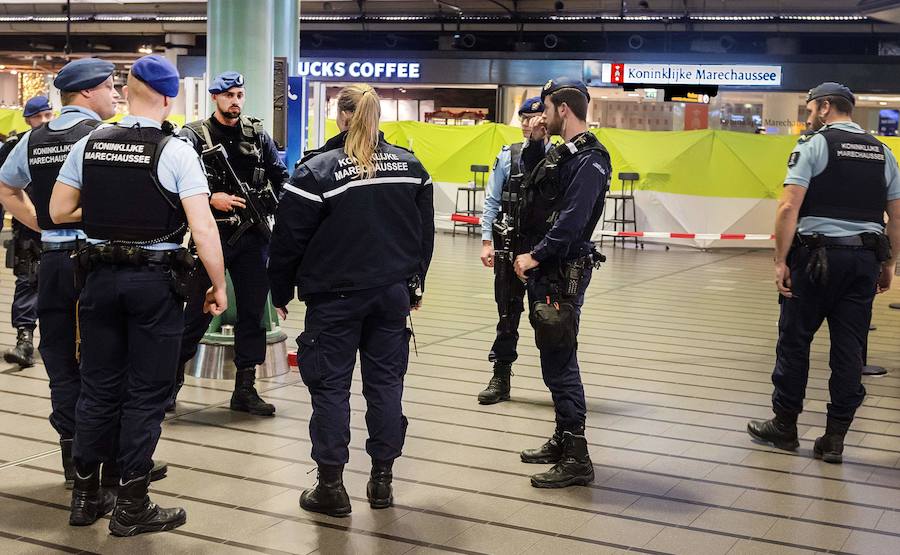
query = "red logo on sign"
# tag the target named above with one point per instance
(618, 73)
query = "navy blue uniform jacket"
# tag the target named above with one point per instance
(334, 232)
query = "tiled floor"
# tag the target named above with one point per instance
(676, 351)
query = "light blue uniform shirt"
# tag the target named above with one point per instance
(494, 190)
(16, 173)
(811, 160)
(179, 169)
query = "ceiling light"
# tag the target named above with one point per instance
(145, 49)
(882, 103)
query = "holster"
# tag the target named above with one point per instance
(555, 325)
(23, 256)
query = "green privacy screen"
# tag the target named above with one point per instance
(702, 163)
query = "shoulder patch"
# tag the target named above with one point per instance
(805, 138)
(793, 159)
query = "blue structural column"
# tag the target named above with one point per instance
(286, 32)
(239, 37)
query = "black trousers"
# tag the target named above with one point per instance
(24, 305)
(846, 303)
(559, 367)
(372, 322)
(246, 262)
(57, 298)
(131, 324)
(507, 338)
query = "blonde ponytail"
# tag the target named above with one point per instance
(362, 134)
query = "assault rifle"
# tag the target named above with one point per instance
(260, 203)
(506, 242)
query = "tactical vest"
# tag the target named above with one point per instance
(121, 197)
(542, 194)
(853, 185)
(47, 150)
(245, 156)
(509, 196)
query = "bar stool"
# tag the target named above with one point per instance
(620, 220)
(477, 185)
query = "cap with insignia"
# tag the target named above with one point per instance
(157, 73)
(225, 81)
(35, 106)
(83, 74)
(831, 89)
(532, 106)
(560, 83)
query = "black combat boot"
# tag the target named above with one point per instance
(89, 500)
(780, 431)
(23, 353)
(110, 475)
(830, 447)
(548, 453)
(136, 514)
(329, 496)
(379, 490)
(245, 398)
(574, 467)
(497, 389)
(65, 449)
(179, 381)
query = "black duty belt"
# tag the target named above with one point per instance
(48, 246)
(850, 241)
(129, 255)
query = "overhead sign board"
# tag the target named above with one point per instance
(360, 69)
(682, 74)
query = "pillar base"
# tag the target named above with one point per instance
(872, 370)
(216, 361)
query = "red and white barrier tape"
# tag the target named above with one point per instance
(475, 220)
(698, 236)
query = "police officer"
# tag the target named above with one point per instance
(562, 201)
(831, 257)
(354, 234)
(509, 291)
(88, 96)
(135, 188)
(26, 252)
(254, 158)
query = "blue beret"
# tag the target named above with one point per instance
(35, 106)
(83, 74)
(831, 89)
(158, 73)
(533, 105)
(561, 83)
(225, 81)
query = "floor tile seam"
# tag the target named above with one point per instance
(655, 380)
(822, 372)
(493, 324)
(694, 363)
(595, 486)
(216, 540)
(611, 447)
(602, 346)
(613, 467)
(652, 405)
(615, 447)
(467, 518)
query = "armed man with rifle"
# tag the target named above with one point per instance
(561, 202)
(245, 177)
(23, 253)
(498, 235)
